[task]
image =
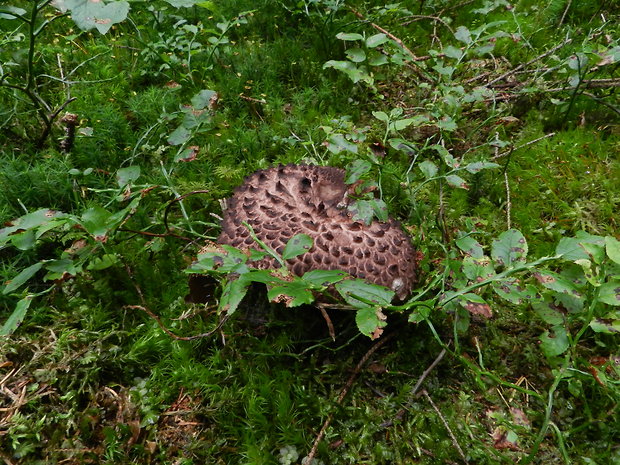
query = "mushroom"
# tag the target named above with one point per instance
(281, 202)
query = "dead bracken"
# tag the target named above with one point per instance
(281, 202)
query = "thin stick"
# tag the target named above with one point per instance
(445, 423)
(514, 149)
(344, 392)
(523, 65)
(568, 4)
(508, 201)
(170, 333)
(330, 325)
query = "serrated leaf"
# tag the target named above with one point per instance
(323, 278)
(509, 249)
(21, 278)
(376, 40)
(127, 175)
(511, 290)
(360, 293)
(369, 321)
(16, 318)
(456, 181)
(470, 246)
(379, 209)
(556, 283)
(60, 269)
(475, 305)
(554, 343)
(609, 293)
(349, 36)
(356, 170)
(428, 168)
(612, 247)
(297, 245)
(292, 293)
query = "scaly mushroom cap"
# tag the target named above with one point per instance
(287, 200)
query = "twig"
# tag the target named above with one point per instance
(330, 325)
(344, 392)
(252, 99)
(533, 60)
(434, 18)
(508, 201)
(170, 333)
(514, 149)
(178, 199)
(565, 11)
(445, 423)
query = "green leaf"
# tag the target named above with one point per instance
(509, 249)
(456, 181)
(381, 116)
(549, 311)
(379, 209)
(511, 290)
(323, 278)
(179, 136)
(357, 169)
(462, 34)
(376, 40)
(359, 293)
(30, 221)
(470, 246)
(570, 248)
(428, 168)
(478, 166)
(610, 324)
(350, 69)
(127, 175)
(609, 293)
(557, 283)
(297, 245)
(16, 318)
(337, 143)
(554, 343)
(453, 52)
(612, 247)
(203, 99)
(11, 12)
(96, 222)
(232, 295)
(226, 259)
(350, 36)
(362, 210)
(477, 269)
(19, 280)
(183, 3)
(292, 293)
(97, 14)
(369, 321)
(356, 55)
(446, 123)
(475, 305)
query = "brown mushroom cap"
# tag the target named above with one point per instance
(283, 201)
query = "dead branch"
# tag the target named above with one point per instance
(513, 149)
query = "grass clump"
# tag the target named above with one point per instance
(489, 130)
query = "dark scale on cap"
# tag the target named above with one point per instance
(288, 200)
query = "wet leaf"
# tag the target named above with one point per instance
(297, 245)
(509, 249)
